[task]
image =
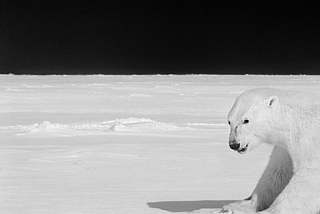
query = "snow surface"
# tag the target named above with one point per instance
(125, 144)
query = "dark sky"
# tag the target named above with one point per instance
(119, 37)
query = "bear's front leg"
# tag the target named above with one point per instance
(301, 195)
(246, 205)
(273, 180)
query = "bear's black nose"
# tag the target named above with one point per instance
(234, 145)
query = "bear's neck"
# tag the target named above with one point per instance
(304, 148)
(301, 136)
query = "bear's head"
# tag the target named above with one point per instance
(251, 120)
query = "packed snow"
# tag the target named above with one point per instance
(126, 144)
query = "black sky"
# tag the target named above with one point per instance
(119, 37)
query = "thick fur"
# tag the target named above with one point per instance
(290, 121)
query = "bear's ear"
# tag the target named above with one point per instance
(272, 102)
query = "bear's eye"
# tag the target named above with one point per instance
(228, 122)
(245, 121)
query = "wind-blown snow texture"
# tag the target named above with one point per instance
(125, 144)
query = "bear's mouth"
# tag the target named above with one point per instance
(243, 150)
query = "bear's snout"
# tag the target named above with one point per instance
(234, 145)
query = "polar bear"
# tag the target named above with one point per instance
(290, 121)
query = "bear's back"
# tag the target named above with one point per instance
(296, 98)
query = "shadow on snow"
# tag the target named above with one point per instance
(188, 206)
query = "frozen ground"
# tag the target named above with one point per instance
(125, 144)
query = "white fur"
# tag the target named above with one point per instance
(291, 122)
